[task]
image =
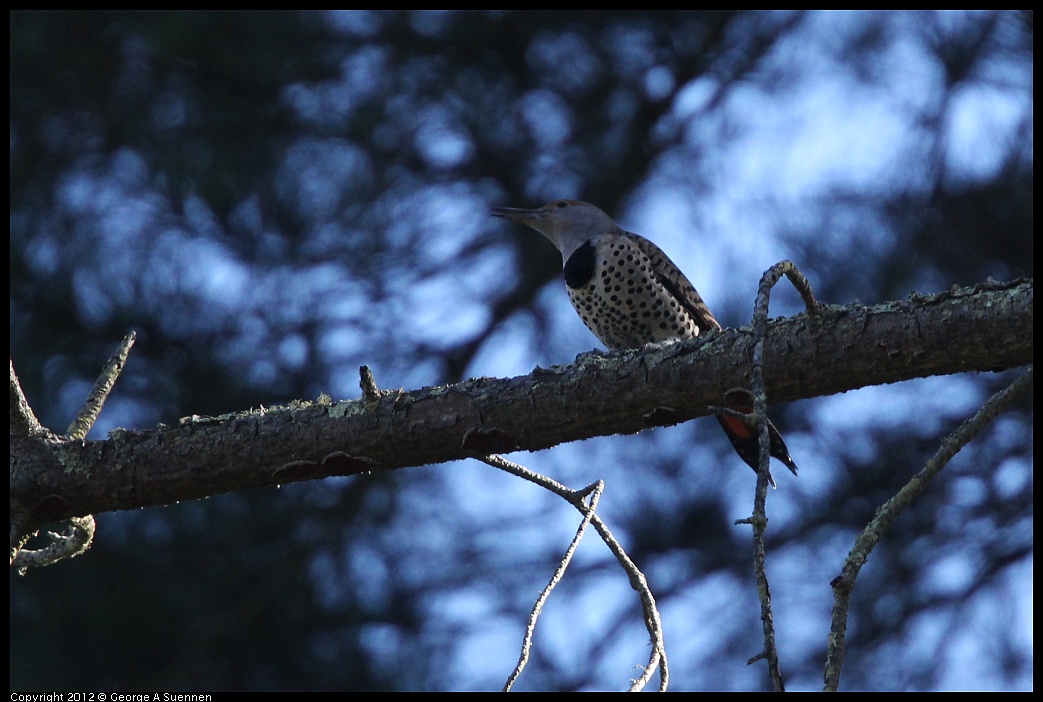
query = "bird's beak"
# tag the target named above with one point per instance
(518, 214)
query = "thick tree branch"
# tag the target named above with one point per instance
(987, 328)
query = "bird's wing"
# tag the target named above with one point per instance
(675, 281)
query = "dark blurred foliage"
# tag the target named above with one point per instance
(275, 198)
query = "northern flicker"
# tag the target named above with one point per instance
(630, 294)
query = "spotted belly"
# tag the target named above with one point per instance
(619, 297)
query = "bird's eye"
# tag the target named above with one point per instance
(562, 203)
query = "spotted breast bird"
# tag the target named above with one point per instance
(630, 294)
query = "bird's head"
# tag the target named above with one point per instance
(567, 223)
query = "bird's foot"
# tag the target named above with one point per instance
(656, 345)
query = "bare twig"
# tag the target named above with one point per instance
(19, 533)
(844, 584)
(530, 627)
(653, 623)
(21, 414)
(368, 383)
(96, 399)
(76, 539)
(79, 531)
(759, 519)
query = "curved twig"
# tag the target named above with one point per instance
(653, 622)
(75, 540)
(844, 583)
(759, 519)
